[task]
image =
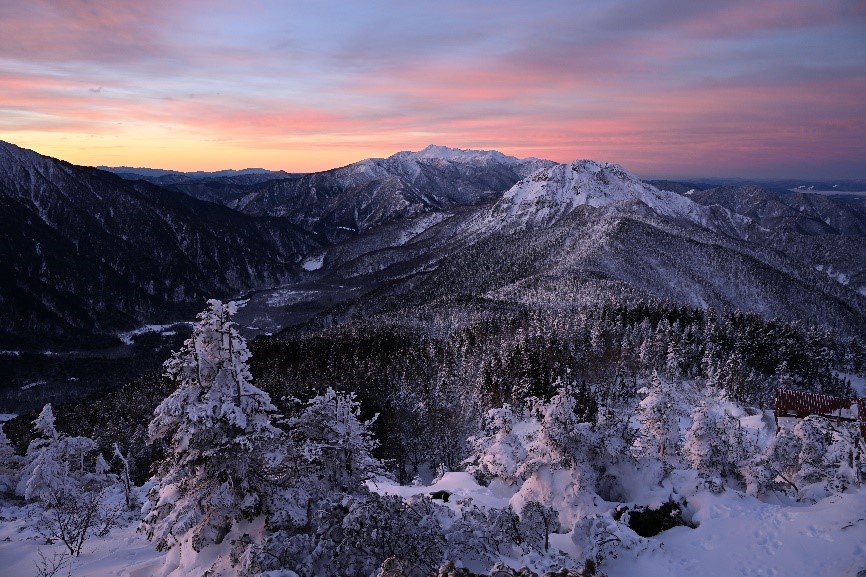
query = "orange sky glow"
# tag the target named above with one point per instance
(665, 88)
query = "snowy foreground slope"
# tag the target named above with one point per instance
(664, 475)
(736, 535)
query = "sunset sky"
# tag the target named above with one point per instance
(672, 88)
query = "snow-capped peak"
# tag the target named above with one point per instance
(557, 190)
(457, 155)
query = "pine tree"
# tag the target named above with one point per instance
(59, 475)
(497, 452)
(10, 464)
(215, 423)
(712, 446)
(319, 506)
(56, 465)
(335, 445)
(658, 434)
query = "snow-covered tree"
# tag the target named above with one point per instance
(378, 527)
(558, 471)
(658, 413)
(215, 423)
(335, 445)
(57, 465)
(810, 460)
(319, 504)
(713, 446)
(829, 457)
(537, 522)
(10, 464)
(62, 474)
(480, 536)
(600, 536)
(497, 452)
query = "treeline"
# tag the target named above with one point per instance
(431, 375)
(430, 382)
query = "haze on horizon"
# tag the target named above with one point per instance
(668, 88)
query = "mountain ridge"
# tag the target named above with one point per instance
(387, 226)
(85, 250)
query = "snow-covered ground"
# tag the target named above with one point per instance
(24, 550)
(736, 535)
(166, 330)
(739, 535)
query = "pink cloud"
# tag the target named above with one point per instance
(664, 87)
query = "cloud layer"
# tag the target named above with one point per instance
(666, 88)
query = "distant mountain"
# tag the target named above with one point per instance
(168, 176)
(825, 232)
(842, 185)
(582, 233)
(341, 203)
(221, 187)
(85, 252)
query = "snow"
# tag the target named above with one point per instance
(459, 484)
(457, 155)
(32, 385)
(419, 225)
(122, 553)
(739, 535)
(128, 337)
(838, 276)
(286, 297)
(552, 192)
(736, 534)
(858, 383)
(312, 263)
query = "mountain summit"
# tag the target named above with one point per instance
(554, 191)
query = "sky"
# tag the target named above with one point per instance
(666, 88)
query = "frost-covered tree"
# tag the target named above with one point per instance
(819, 457)
(10, 464)
(335, 445)
(320, 505)
(537, 522)
(558, 471)
(497, 452)
(481, 536)
(600, 536)
(658, 413)
(62, 474)
(57, 466)
(712, 445)
(215, 423)
(378, 527)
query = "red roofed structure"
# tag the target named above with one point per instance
(801, 404)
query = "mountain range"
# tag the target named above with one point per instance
(89, 252)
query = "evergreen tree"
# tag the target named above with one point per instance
(215, 422)
(335, 445)
(57, 466)
(497, 452)
(712, 445)
(659, 434)
(10, 464)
